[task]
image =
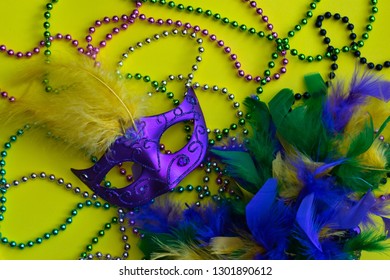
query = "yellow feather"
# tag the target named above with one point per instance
(249, 249)
(225, 245)
(288, 182)
(220, 248)
(379, 111)
(87, 107)
(183, 251)
(374, 157)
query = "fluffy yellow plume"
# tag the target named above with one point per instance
(183, 251)
(249, 248)
(374, 157)
(378, 110)
(286, 173)
(245, 248)
(82, 104)
(225, 245)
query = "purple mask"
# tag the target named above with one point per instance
(154, 173)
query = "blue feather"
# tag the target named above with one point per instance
(331, 250)
(322, 186)
(258, 208)
(312, 216)
(159, 217)
(210, 221)
(306, 220)
(348, 217)
(327, 166)
(269, 220)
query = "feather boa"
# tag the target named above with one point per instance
(314, 172)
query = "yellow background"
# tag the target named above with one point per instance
(38, 206)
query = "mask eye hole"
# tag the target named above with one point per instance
(176, 137)
(122, 175)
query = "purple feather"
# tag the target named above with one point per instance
(306, 220)
(370, 85)
(347, 216)
(340, 106)
(380, 208)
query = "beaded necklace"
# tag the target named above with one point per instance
(88, 201)
(332, 52)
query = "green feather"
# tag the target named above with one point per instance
(356, 177)
(351, 173)
(302, 127)
(363, 141)
(387, 155)
(280, 105)
(240, 166)
(260, 119)
(370, 241)
(387, 152)
(263, 143)
(315, 84)
(383, 126)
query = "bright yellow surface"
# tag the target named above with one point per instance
(36, 207)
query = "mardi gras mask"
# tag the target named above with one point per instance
(154, 173)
